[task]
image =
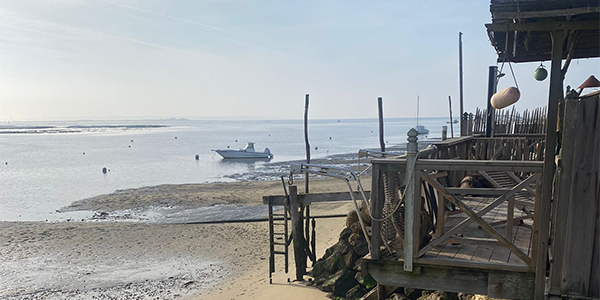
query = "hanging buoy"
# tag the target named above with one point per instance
(540, 73)
(505, 97)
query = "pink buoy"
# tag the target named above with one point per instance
(505, 97)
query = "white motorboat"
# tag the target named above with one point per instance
(421, 129)
(247, 152)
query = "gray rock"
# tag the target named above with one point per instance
(340, 283)
(351, 218)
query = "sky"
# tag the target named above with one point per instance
(134, 59)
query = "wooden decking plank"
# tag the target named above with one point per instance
(466, 252)
(484, 253)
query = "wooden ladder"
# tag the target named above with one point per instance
(278, 238)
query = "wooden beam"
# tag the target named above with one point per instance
(279, 200)
(461, 263)
(544, 13)
(542, 26)
(478, 278)
(377, 201)
(542, 211)
(478, 191)
(297, 234)
(479, 165)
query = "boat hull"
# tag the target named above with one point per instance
(237, 154)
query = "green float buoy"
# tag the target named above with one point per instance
(540, 73)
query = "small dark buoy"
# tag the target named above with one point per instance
(83, 153)
(386, 142)
(329, 137)
(132, 141)
(129, 146)
(227, 146)
(317, 148)
(104, 170)
(6, 163)
(175, 137)
(197, 157)
(371, 131)
(236, 141)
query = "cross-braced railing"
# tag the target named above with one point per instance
(424, 177)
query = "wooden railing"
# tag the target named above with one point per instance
(423, 172)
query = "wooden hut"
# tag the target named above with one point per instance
(536, 233)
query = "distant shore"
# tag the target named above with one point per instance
(128, 260)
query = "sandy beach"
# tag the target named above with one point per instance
(111, 259)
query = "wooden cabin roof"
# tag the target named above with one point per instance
(521, 29)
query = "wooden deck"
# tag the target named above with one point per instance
(472, 261)
(473, 244)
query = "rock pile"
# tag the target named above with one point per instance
(338, 271)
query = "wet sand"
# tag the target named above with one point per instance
(137, 260)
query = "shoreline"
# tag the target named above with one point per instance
(138, 260)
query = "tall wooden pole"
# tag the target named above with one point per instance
(451, 124)
(492, 79)
(306, 209)
(380, 109)
(306, 143)
(463, 128)
(542, 209)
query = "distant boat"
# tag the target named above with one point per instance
(247, 152)
(421, 129)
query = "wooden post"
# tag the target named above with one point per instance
(463, 127)
(271, 245)
(410, 201)
(306, 143)
(377, 201)
(380, 109)
(297, 234)
(451, 124)
(510, 220)
(492, 80)
(444, 133)
(542, 210)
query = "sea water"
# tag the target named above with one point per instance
(44, 167)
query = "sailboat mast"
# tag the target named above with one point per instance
(417, 110)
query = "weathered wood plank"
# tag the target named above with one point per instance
(479, 165)
(508, 286)
(583, 197)
(279, 200)
(298, 234)
(377, 202)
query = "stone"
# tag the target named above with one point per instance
(340, 283)
(356, 228)
(343, 247)
(318, 269)
(356, 292)
(365, 213)
(432, 295)
(397, 296)
(361, 248)
(345, 234)
(350, 259)
(351, 218)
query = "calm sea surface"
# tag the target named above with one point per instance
(46, 170)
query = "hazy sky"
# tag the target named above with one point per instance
(101, 59)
